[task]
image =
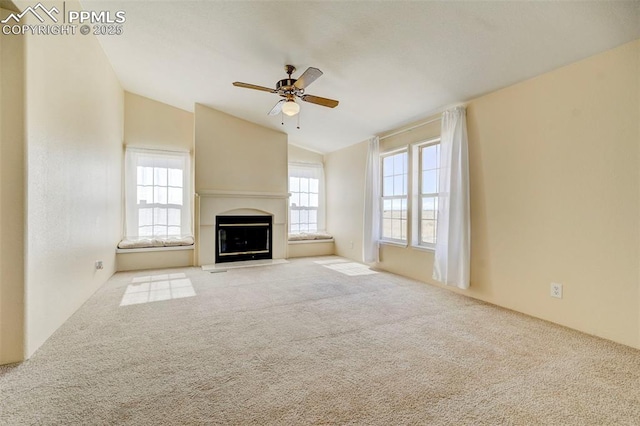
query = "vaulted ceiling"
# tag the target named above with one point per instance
(388, 63)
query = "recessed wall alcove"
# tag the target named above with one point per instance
(240, 169)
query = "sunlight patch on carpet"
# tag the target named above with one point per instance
(330, 261)
(346, 267)
(154, 288)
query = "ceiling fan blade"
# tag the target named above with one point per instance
(277, 108)
(307, 77)
(253, 86)
(320, 101)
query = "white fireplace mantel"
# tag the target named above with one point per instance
(241, 194)
(214, 203)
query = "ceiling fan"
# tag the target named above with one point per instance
(290, 89)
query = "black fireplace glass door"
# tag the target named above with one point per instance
(243, 238)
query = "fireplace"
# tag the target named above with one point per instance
(243, 238)
(212, 204)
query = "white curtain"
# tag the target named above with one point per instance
(311, 171)
(372, 203)
(157, 194)
(452, 257)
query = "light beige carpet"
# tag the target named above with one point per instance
(300, 343)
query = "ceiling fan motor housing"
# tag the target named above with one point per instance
(286, 85)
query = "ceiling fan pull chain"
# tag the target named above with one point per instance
(299, 120)
(282, 118)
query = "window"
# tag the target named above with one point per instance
(158, 196)
(411, 174)
(394, 196)
(429, 157)
(306, 201)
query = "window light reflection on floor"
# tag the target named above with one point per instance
(330, 261)
(154, 288)
(346, 267)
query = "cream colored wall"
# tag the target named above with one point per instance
(154, 259)
(236, 155)
(554, 197)
(12, 205)
(344, 176)
(417, 132)
(74, 113)
(309, 249)
(154, 125)
(138, 261)
(301, 155)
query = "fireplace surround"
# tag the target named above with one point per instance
(211, 204)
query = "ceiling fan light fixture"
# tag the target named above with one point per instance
(290, 108)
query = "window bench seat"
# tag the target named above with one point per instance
(311, 244)
(135, 255)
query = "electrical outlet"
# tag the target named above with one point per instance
(556, 290)
(351, 244)
(99, 264)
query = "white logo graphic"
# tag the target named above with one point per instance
(52, 22)
(34, 12)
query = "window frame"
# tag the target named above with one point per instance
(419, 196)
(317, 170)
(406, 198)
(136, 158)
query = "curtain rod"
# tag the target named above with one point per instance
(408, 129)
(148, 148)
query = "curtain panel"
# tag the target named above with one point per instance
(453, 241)
(372, 183)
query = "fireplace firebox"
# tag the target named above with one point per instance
(243, 238)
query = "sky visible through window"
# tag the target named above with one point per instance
(303, 204)
(394, 196)
(429, 175)
(160, 200)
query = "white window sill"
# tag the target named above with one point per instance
(150, 249)
(393, 243)
(405, 245)
(423, 248)
(327, 240)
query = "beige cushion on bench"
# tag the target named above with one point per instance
(156, 242)
(306, 236)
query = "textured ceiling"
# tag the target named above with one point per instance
(389, 63)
